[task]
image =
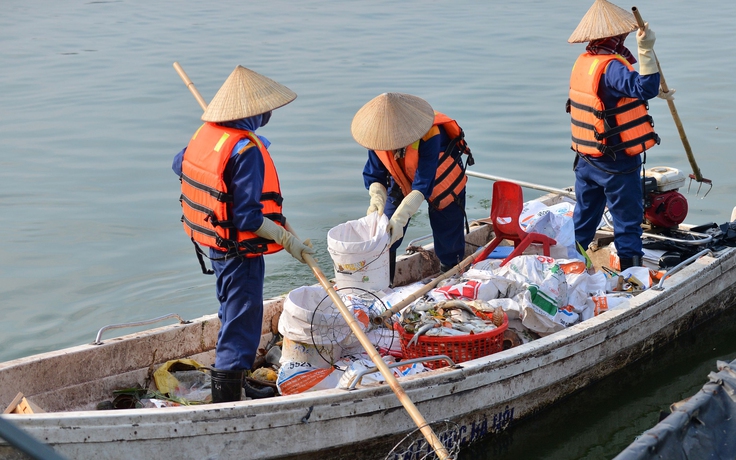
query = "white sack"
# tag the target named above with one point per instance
(359, 236)
(543, 277)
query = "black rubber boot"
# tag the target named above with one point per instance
(257, 393)
(628, 262)
(227, 386)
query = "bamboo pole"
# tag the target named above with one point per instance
(403, 398)
(190, 85)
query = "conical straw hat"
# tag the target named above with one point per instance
(391, 121)
(244, 94)
(603, 20)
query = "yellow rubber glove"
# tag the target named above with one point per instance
(408, 207)
(378, 196)
(647, 61)
(293, 246)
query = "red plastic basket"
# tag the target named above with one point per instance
(459, 348)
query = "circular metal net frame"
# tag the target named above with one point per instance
(414, 446)
(330, 332)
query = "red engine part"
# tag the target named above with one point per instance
(667, 209)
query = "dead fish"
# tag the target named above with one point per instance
(444, 332)
(478, 327)
(481, 305)
(422, 305)
(414, 340)
(461, 316)
(450, 304)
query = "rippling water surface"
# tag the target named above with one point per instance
(92, 113)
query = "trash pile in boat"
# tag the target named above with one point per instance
(531, 296)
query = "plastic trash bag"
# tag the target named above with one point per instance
(181, 378)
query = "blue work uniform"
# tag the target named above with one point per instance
(447, 224)
(239, 284)
(614, 181)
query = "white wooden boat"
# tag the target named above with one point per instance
(482, 396)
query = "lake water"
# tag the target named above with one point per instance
(92, 112)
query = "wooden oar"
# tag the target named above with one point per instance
(388, 375)
(697, 176)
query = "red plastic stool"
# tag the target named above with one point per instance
(506, 206)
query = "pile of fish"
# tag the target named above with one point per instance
(449, 317)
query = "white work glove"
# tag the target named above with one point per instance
(293, 246)
(409, 205)
(669, 95)
(378, 196)
(647, 62)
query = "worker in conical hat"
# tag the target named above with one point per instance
(414, 155)
(231, 202)
(611, 127)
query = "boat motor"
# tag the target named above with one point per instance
(664, 206)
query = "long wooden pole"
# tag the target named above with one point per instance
(678, 123)
(388, 375)
(190, 85)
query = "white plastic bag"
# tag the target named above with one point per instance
(581, 286)
(544, 294)
(360, 363)
(556, 222)
(543, 278)
(610, 301)
(536, 319)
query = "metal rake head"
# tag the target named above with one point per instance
(700, 184)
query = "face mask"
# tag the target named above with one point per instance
(265, 117)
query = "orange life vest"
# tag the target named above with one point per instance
(590, 131)
(450, 179)
(206, 203)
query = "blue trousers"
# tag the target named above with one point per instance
(239, 289)
(448, 230)
(623, 194)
